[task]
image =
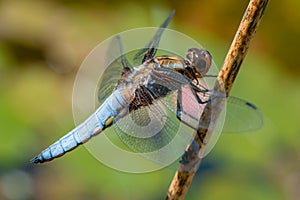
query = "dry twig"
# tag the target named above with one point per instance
(235, 56)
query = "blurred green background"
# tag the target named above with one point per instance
(42, 44)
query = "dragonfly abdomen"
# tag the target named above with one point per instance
(95, 124)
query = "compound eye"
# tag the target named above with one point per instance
(199, 59)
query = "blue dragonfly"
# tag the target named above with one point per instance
(147, 100)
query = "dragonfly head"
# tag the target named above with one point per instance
(200, 60)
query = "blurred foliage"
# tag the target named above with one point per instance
(42, 44)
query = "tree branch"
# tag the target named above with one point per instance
(235, 56)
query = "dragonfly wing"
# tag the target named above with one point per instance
(154, 133)
(237, 116)
(141, 126)
(241, 116)
(150, 49)
(118, 66)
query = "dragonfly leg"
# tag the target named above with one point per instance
(179, 110)
(190, 72)
(210, 75)
(197, 89)
(199, 100)
(149, 55)
(179, 104)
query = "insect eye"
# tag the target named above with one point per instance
(199, 59)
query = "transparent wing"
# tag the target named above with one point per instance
(241, 116)
(146, 129)
(150, 49)
(118, 65)
(238, 115)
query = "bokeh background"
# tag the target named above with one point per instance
(42, 44)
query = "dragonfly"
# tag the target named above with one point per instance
(147, 99)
